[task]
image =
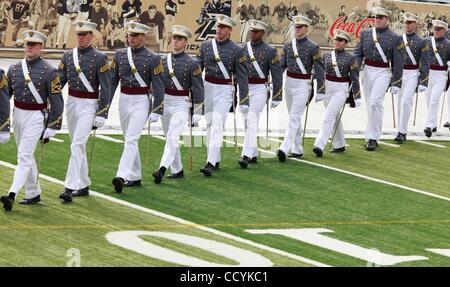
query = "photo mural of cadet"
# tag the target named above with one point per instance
(68, 12)
(20, 15)
(155, 20)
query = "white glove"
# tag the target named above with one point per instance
(421, 88)
(320, 97)
(48, 133)
(4, 137)
(196, 118)
(99, 122)
(395, 90)
(275, 104)
(243, 109)
(358, 102)
(153, 117)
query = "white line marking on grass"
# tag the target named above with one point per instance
(359, 175)
(388, 144)
(56, 140)
(185, 222)
(443, 252)
(163, 139)
(430, 144)
(110, 139)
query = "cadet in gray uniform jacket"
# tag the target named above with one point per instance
(38, 106)
(86, 70)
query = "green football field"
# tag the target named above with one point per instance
(390, 204)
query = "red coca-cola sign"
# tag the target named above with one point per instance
(353, 28)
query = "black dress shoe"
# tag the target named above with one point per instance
(447, 125)
(434, 129)
(28, 201)
(281, 155)
(318, 151)
(400, 138)
(176, 175)
(254, 160)
(207, 169)
(157, 177)
(216, 167)
(338, 150)
(243, 162)
(295, 155)
(428, 132)
(371, 145)
(81, 192)
(7, 202)
(66, 195)
(118, 184)
(131, 183)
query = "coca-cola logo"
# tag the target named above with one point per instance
(353, 28)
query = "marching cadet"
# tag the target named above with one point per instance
(299, 57)
(86, 70)
(376, 46)
(414, 56)
(38, 107)
(138, 68)
(182, 75)
(262, 61)
(4, 108)
(447, 124)
(342, 73)
(439, 57)
(223, 61)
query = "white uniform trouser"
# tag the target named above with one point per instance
(218, 101)
(174, 119)
(64, 23)
(133, 111)
(405, 99)
(337, 94)
(258, 99)
(80, 118)
(375, 83)
(28, 127)
(297, 94)
(436, 86)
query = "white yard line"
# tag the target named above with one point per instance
(56, 140)
(388, 144)
(359, 175)
(185, 222)
(110, 139)
(430, 144)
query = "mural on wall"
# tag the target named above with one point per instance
(55, 18)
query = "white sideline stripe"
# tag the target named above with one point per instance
(110, 139)
(430, 144)
(56, 140)
(359, 175)
(185, 222)
(388, 144)
(163, 138)
(443, 252)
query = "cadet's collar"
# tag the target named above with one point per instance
(85, 50)
(340, 51)
(224, 42)
(33, 61)
(137, 50)
(178, 55)
(304, 39)
(410, 34)
(381, 30)
(439, 39)
(256, 44)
